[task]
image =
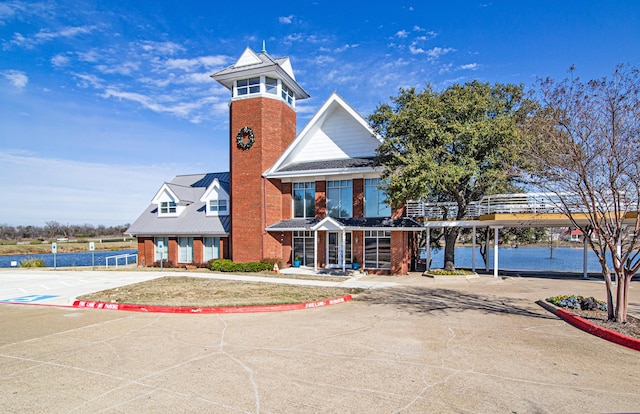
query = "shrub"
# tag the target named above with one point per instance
(457, 272)
(577, 302)
(36, 241)
(165, 264)
(226, 265)
(32, 262)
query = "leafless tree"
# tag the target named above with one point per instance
(584, 147)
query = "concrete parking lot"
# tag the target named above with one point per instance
(421, 346)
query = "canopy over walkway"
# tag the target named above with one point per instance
(510, 210)
(507, 210)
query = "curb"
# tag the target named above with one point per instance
(592, 328)
(224, 309)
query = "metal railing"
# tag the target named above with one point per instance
(500, 204)
(126, 258)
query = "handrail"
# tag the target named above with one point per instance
(125, 256)
(499, 204)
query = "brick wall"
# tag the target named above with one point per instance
(358, 198)
(321, 199)
(257, 202)
(173, 250)
(400, 253)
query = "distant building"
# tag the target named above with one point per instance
(315, 195)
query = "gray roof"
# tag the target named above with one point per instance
(329, 165)
(267, 65)
(193, 221)
(299, 224)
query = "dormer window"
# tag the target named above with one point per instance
(248, 86)
(218, 206)
(168, 207)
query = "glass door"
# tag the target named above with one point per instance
(335, 249)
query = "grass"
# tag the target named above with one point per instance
(11, 249)
(200, 292)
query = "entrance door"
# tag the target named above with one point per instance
(335, 250)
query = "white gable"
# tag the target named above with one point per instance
(165, 195)
(248, 57)
(285, 64)
(336, 132)
(214, 192)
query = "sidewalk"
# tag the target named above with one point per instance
(62, 287)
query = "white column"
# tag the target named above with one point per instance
(495, 250)
(344, 250)
(315, 251)
(473, 250)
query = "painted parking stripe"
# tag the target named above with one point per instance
(29, 298)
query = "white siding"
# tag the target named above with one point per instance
(339, 136)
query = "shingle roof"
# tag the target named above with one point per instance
(193, 220)
(329, 165)
(301, 224)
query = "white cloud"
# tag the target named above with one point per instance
(345, 47)
(164, 48)
(16, 78)
(60, 61)
(436, 52)
(90, 56)
(124, 68)
(46, 35)
(193, 63)
(402, 34)
(286, 19)
(163, 104)
(89, 80)
(468, 66)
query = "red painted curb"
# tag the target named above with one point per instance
(598, 331)
(225, 309)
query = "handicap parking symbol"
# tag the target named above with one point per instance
(29, 298)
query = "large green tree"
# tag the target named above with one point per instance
(451, 145)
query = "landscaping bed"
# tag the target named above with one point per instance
(594, 311)
(202, 292)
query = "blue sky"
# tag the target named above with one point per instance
(103, 101)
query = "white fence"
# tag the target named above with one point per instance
(122, 259)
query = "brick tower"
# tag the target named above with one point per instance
(262, 121)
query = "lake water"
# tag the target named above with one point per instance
(71, 259)
(522, 258)
(566, 259)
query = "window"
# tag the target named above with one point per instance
(304, 247)
(168, 207)
(374, 199)
(218, 206)
(339, 198)
(211, 248)
(271, 85)
(304, 200)
(248, 86)
(287, 94)
(377, 249)
(185, 249)
(158, 253)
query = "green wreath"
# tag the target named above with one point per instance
(242, 144)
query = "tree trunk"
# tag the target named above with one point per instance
(450, 237)
(622, 298)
